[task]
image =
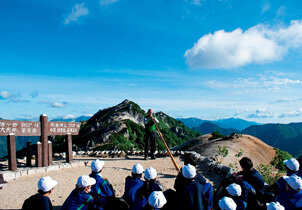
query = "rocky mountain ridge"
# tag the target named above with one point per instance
(123, 126)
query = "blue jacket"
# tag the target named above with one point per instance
(77, 200)
(241, 205)
(255, 179)
(207, 188)
(300, 172)
(102, 189)
(247, 191)
(192, 196)
(131, 187)
(290, 199)
(143, 193)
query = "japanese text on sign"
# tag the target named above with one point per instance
(62, 128)
(19, 128)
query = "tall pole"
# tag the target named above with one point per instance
(11, 149)
(69, 148)
(39, 154)
(44, 139)
(168, 150)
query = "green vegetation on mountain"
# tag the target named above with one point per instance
(210, 127)
(287, 137)
(279, 158)
(122, 126)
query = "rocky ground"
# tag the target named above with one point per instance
(116, 170)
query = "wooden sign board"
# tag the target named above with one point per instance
(20, 128)
(62, 128)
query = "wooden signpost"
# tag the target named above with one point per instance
(44, 128)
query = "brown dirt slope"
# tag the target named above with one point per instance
(251, 146)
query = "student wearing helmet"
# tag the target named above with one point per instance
(291, 198)
(80, 198)
(235, 192)
(41, 201)
(133, 183)
(156, 200)
(291, 167)
(207, 187)
(150, 185)
(274, 206)
(191, 195)
(102, 191)
(227, 203)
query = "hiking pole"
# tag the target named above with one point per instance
(168, 150)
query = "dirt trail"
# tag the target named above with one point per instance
(116, 170)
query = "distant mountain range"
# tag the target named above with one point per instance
(209, 127)
(234, 123)
(122, 126)
(77, 119)
(287, 137)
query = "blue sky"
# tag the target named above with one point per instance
(189, 58)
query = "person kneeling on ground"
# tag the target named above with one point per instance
(41, 201)
(227, 203)
(192, 195)
(275, 206)
(156, 200)
(150, 185)
(207, 187)
(291, 167)
(291, 198)
(102, 191)
(80, 198)
(133, 183)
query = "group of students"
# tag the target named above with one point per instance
(244, 190)
(247, 189)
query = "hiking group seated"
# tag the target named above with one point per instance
(243, 190)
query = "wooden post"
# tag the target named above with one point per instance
(44, 139)
(11, 149)
(69, 148)
(28, 154)
(49, 153)
(39, 155)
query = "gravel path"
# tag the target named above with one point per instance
(115, 170)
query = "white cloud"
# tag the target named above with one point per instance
(68, 116)
(55, 104)
(265, 82)
(107, 2)
(77, 11)
(258, 44)
(266, 7)
(261, 113)
(296, 113)
(196, 2)
(58, 105)
(5, 95)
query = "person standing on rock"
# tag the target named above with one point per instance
(150, 134)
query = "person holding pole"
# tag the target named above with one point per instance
(150, 134)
